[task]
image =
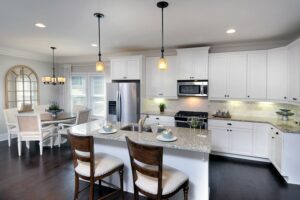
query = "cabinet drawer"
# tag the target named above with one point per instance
(228, 124)
(163, 120)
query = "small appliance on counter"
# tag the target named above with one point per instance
(222, 114)
(182, 119)
(285, 113)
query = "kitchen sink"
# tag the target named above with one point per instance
(135, 127)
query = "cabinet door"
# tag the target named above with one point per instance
(236, 78)
(277, 74)
(257, 75)
(272, 145)
(240, 141)
(200, 59)
(168, 81)
(186, 65)
(218, 76)
(153, 78)
(133, 69)
(219, 139)
(293, 73)
(278, 150)
(118, 69)
(261, 140)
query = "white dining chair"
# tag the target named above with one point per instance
(10, 117)
(40, 109)
(77, 108)
(81, 118)
(30, 129)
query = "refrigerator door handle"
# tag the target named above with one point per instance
(117, 106)
(120, 107)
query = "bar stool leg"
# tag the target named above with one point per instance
(76, 187)
(136, 193)
(121, 172)
(91, 189)
(186, 191)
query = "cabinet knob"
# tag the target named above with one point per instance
(124, 77)
(160, 94)
(157, 118)
(248, 96)
(225, 95)
(285, 97)
(272, 137)
(230, 130)
(295, 99)
(277, 133)
(229, 124)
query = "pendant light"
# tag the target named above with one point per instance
(162, 63)
(53, 80)
(99, 64)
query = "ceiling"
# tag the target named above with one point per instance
(132, 25)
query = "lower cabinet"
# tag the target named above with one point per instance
(219, 139)
(261, 140)
(275, 150)
(240, 141)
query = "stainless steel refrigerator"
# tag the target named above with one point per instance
(123, 101)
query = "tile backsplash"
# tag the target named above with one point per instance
(236, 108)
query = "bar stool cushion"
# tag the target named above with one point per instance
(104, 163)
(172, 179)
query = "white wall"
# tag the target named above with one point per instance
(47, 93)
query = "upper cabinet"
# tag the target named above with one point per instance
(277, 74)
(227, 75)
(256, 75)
(161, 83)
(293, 53)
(192, 63)
(127, 68)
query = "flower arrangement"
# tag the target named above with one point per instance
(54, 109)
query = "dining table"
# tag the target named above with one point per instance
(63, 117)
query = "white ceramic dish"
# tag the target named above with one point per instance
(107, 132)
(161, 138)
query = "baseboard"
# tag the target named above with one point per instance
(241, 157)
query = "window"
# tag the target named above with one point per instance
(21, 87)
(89, 90)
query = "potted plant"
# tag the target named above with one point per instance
(162, 107)
(54, 109)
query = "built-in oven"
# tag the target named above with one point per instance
(192, 88)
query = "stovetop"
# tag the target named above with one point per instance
(185, 114)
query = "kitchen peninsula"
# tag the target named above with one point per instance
(190, 148)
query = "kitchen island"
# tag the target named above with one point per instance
(190, 154)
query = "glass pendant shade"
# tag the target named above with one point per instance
(100, 66)
(162, 64)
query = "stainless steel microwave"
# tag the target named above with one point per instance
(198, 88)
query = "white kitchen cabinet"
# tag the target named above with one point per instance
(293, 53)
(275, 154)
(161, 83)
(193, 63)
(219, 139)
(261, 140)
(217, 76)
(126, 68)
(240, 141)
(277, 74)
(227, 76)
(161, 120)
(257, 75)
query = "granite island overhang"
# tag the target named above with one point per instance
(189, 153)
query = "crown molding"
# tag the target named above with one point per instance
(25, 54)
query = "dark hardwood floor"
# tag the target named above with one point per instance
(50, 176)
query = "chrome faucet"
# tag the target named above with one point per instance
(141, 123)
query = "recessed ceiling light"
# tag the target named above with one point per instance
(40, 25)
(230, 31)
(94, 45)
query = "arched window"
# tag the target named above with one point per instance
(21, 88)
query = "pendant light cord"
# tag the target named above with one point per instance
(53, 63)
(99, 38)
(162, 33)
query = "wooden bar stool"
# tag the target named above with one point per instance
(93, 166)
(150, 177)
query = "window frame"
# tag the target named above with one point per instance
(88, 90)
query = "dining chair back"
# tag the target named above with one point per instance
(77, 108)
(40, 108)
(10, 117)
(30, 129)
(83, 117)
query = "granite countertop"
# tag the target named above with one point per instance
(187, 139)
(284, 126)
(166, 113)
